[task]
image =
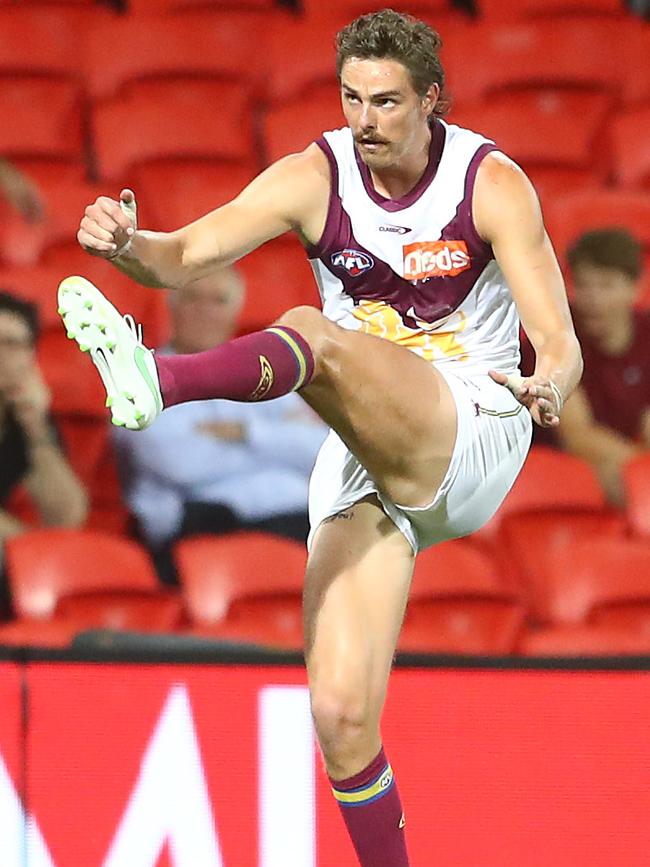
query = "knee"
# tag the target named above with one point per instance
(341, 714)
(319, 332)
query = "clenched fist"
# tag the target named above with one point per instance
(107, 225)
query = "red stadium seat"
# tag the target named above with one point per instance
(636, 478)
(458, 604)
(349, 9)
(583, 641)
(38, 285)
(46, 565)
(132, 610)
(132, 49)
(165, 7)
(605, 582)
(46, 38)
(572, 124)
(72, 379)
(41, 118)
(631, 140)
(290, 128)
(162, 120)
(277, 276)
(576, 10)
(172, 193)
(522, 536)
(245, 586)
(25, 632)
(569, 216)
(537, 488)
(137, 610)
(636, 69)
(313, 66)
(483, 59)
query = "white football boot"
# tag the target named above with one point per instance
(114, 342)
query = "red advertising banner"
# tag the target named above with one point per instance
(12, 817)
(208, 766)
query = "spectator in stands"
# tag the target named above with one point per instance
(30, 452)
(21, 193)
(216, 465)
(607, 420)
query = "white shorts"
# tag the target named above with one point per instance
(492, 441)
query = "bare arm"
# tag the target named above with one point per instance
(508, 216)
(292, 194)
(57, 493)
(9, 526)
(604, 448)
(20, 191)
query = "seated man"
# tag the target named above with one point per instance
(606, 420)
(217, 465)
(30, 452)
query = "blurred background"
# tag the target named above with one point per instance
(185, 101)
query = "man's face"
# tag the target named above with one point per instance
(603, 297)
(204, 314)
(383, 110)
(16, 350)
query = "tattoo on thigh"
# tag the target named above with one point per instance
(347, 515)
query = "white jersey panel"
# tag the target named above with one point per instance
(416, 272)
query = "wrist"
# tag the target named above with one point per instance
(122, 251)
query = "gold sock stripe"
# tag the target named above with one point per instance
(297, 351)
(369, 793)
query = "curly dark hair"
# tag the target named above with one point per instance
(399, 37)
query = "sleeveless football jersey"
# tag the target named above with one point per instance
(414, 270)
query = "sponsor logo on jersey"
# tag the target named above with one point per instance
(426, 259)
(354, 261)
(397, 230)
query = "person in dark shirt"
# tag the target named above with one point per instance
(30, 451)
(607, 419)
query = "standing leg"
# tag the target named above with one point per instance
(357, 583)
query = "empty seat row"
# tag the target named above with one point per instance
(248, 587)
(565, 139)
(106, 54)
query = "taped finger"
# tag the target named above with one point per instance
(514, 382)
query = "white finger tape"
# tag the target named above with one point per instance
(515, 382)
(557, 394)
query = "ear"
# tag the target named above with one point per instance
(430, 99)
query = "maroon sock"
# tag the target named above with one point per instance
(372, 811)
(258, 366)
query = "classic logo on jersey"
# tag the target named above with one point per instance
(426, 259)
(354, 261)
(396, 230)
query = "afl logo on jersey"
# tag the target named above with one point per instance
(427, 259)
(354, 261)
